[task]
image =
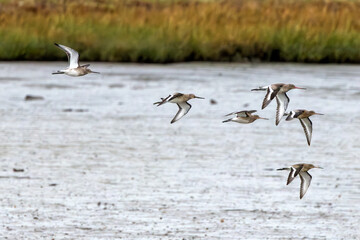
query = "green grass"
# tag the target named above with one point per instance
(174, 31)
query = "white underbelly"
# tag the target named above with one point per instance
(241, 120)
(176, 100)
(75, 73)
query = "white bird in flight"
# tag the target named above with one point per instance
(74, 69)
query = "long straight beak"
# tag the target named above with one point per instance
(199, 97)
(319, 167)
(300, 88)
(264, 118)
(95, 72)
(319, 114)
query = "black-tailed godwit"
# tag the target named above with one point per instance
(303, 116)
(300, 169)
(74, 69)
(181, 100)
(243, 117)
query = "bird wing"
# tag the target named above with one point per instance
(242, 113)
(268, 97)
(184, 108)
(290, 115)
(248, 113)
(293, 173)
(305, 183)
(73, 56)
(307, 126)
(175, 95)
(282, 104)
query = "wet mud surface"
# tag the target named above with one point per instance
(94, 159)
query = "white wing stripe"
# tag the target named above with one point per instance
(184, 108)
(305, 183)
(282, 103)
(307, 126)
(267, 98)
(72, 55)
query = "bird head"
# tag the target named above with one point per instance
(313, 166)
(258, 117)
(88, 70)
(292, 86)
(314, 113)
(193, 96)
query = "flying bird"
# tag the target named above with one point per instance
(181, 100)
(303, 116)
(243, 117)
(300, 169)
(279, 91)
(74, 69)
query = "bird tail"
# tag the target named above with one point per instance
(259, 89)
(228, 120)
(58, 72)
(280, 169)
(163, 100)
(160, 103)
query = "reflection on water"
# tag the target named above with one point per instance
(120, 169)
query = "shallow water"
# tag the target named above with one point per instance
(101, 162)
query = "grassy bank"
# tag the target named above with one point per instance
(171, 31)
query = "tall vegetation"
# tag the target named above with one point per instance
(179, 30)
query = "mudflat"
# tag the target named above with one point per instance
(93, 158)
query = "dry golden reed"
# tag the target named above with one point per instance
(172, 31)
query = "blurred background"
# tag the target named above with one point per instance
(163, 31)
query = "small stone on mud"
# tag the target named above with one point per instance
(75, 110)
(213, 101)
(18, 170)
(33, 98)
(116, 85)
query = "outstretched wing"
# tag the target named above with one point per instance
(282, 104)
(307, 126)
(293, 173)
(248, 113)
(73, 56)
(305, 183)
(175, 95)
(242, 113)
(184, 108)
(290, 116)
(268, 97)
